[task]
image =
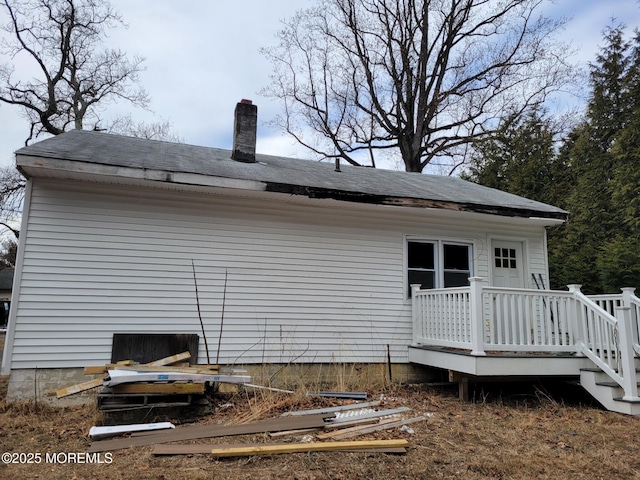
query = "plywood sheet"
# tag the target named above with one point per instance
(149, 347)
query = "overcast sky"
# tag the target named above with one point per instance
(202, 57)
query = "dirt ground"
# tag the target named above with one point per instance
(543, 431)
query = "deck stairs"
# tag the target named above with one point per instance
(607, 392)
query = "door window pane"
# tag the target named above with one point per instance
(505, 258)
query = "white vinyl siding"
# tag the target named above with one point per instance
(305, 283)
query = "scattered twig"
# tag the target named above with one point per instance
(289, 363)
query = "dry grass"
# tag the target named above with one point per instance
(515, 435)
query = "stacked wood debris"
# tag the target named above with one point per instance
(328, 424)
(167, 381)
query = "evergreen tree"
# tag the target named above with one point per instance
(619, 259)
(595, 175)
(520, 158)
(608, 106)
(596, 249)
(626, 150)
(576, 247)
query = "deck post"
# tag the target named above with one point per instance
(416, 312)
(476, 314)
(576, 318)
(627, 293)
(629, 378)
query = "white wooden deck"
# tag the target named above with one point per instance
(489, 331)
(499, 364)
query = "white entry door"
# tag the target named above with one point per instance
(508, 263)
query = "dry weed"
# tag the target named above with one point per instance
(505, 435)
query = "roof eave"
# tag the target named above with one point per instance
(398, 201)
(35, 166)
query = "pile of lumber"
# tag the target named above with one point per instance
(166, 376)
(329, 425)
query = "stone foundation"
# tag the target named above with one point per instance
(42, 384)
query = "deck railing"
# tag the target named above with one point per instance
(610, 302)
(448, 311)
(482, 319)
(528, 320)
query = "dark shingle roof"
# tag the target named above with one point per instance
(287, 175)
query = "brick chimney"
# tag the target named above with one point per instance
(244, 132)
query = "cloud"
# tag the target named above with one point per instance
(203, 57)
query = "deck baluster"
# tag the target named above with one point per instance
(477, 317)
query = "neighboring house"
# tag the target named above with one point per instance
(6, 284)
(308, 262)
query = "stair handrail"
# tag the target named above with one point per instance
(621, 342)
(629, 299)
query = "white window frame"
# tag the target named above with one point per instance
(439, 244)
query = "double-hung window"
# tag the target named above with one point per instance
(438, 264)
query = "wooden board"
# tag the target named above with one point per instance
(159, 388)
(361, 431)
(80, 387)
(210, 431)
(167, 362)
(357, 428)
(207, 448)
(101, 369)
(96, 370)
(354, 423)
(305, 447)
(284, 433)
(194, 449)
(170, 359)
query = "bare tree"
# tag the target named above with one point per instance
(12, 185)
(419, 79)
(160, 130)
(75, 75)
(66, 78)
(8, 253)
